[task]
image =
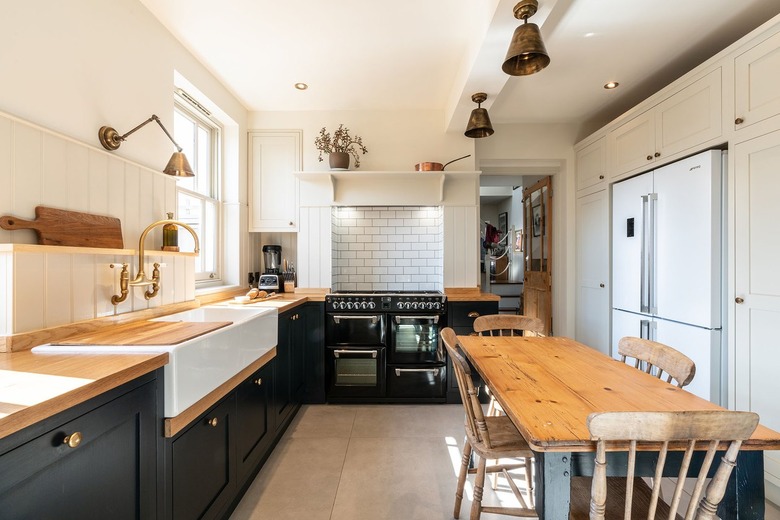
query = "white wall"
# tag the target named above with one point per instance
(75, 66)
(396, 140)
(529, 144)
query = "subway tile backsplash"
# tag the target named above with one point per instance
(387, 248)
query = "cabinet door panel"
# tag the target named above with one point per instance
(691, 116)
(592, 164)
(632, 143)
(203, 472)
(254, 417)
(111, 473)
(274, 157)
(757, 74)
(592, 318)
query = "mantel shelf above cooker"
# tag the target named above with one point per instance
(389, 188)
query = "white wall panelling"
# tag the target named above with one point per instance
(461, 246)
(314, 247)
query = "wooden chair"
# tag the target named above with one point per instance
(708, 429)
(656, 355)
(508, 325)
(488, 438)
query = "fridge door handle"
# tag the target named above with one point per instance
(652, 299)
(644, 299)
(644, 329)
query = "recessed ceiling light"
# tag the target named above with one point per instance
(301, 86)
(611, 85)
(589, 35)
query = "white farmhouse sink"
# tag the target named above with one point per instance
(198, 366)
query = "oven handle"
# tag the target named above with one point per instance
(373, 319)
(372, 352)
(398, 371)
(399, 318)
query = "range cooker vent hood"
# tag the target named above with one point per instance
(388, 188)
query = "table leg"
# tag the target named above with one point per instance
(553, 485)
(744, 498)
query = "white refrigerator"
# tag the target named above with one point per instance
(667, 255)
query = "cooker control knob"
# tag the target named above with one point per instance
(406, 305)
(364, 305)
(429, 305)
(350, 305)
(416, 305)
(371, 305)
(437, 305)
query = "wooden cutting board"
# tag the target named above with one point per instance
(146, 333)
(59, 227)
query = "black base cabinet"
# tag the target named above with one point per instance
(109, 472)
(255, 417)
(461, 316)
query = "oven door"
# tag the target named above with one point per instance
(355, 371)
(355, 329)
(423, 382)
(415, 339)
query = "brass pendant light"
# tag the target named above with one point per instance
(479, 122)
(526, 54)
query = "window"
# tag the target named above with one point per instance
(199, 201)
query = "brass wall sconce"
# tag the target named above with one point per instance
(140, 279)
(526, 54)
(479, 121)
(177, 166)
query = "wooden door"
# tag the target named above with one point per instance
(757, 286)
(537, 280)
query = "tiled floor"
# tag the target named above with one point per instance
(350, 462)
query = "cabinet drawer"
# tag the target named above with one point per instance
(106, 468)
(463, 314)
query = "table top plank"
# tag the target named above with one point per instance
(549, 386)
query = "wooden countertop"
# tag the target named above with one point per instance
(468, 294)
(36, 386)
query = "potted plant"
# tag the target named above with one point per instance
(339, 147)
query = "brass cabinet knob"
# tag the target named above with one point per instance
(601, 177)
(649, 157)
(473, 314)
(658, 154)
(601, 285)
(72, 440)
(739, 300)
(292, 223)
(213, 422)
(739, 121)
(258, 381)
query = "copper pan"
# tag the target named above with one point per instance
(435, 166)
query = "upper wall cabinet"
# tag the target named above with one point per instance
(757, 74)
(592, 165)
(683, 121)
(274, 158)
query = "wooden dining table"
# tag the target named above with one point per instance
(548, 386)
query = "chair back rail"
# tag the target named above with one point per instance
(508, 325)
(673, 363)
(707, 428)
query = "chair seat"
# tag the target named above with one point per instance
(616, 491)
(506, 442)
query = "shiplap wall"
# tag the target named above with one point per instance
(44, 289)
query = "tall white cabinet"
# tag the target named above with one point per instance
(275, 156)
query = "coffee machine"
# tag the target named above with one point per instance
(272, 279)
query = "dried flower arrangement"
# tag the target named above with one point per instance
(340, 142)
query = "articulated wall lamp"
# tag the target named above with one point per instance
(527, 53)
(479, 122)
(178, 166)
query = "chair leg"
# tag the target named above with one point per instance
(529, 480)
(464, 469)
(479, 483)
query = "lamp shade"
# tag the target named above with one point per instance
(178, 166)
(479, 124)
(527, 53)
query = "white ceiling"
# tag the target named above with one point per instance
(433, 54)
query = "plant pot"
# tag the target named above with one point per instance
(338, 160)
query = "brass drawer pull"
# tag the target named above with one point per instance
(72, 440)
(258, 381)
(739, 121)
(213, 422)
(473, 314)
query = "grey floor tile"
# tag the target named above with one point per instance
(320, 421)
(298, 481)
(393, 421)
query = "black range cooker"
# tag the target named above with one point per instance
(385, 347)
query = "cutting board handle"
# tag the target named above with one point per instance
(12, 223)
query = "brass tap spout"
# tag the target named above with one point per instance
(140, 279)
